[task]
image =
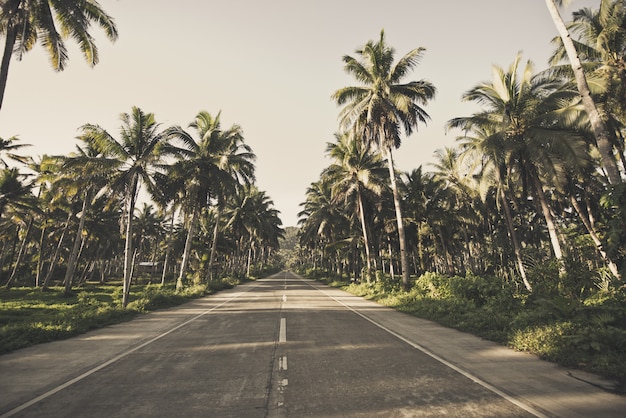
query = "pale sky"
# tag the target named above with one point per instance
(270, 66)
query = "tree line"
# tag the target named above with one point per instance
(75, 216)
(531, 195)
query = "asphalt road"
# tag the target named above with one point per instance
(289, 347)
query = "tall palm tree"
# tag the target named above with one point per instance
(24, 22)
(535, 117)
(211, 167)
(356, 175)
(139, 149)
(600, 129)
(382, 106)
(601, 42)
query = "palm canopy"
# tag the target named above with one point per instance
(15, 193)
(531, 118)
(24, 22)
(137, 151)
(356, 169)
(215, 163)
(7, 147)
(382, 105)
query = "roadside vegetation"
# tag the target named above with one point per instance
(585, 333)
(29, 316)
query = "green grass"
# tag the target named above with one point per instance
(31, 316)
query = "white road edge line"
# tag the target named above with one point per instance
(470, 376)
(113, 360)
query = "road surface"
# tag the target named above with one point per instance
(285, 346)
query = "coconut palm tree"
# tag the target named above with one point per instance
(486, 152)
(535, 118)
(253, 219)
(15, 192)
(601, 42)
(24, 22)
(382, 106)
(356, 176)
(138, 151)
(598, 125)
(85, 172)
(211, 167)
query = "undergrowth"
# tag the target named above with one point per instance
(31, 316)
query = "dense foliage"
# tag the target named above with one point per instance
(70, 219)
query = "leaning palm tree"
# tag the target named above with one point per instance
(381, 106)
(601, 42)
(210, 167)
(24, 22)
(138, 150)
(600, 129)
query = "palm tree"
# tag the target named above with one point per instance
(486, 152)
(253, 219)
(14, 191)
(211, 167)
(16, 198)
(24, 22)
(7, 147)
(379, 108)
(535, 118)
(85, 172)
(601, 42)
(355, 176)
(137, 152)
(600, 129)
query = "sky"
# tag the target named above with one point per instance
(270, 66)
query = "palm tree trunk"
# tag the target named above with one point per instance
(40, 262)
(20, 253)
(168, 248)
(249, 261)
(547, 215)
(368, 256)
(404, 260)
(57, 252)
(600, 129)
(594, 236)
(9, 43)
(214, 243)
(513, 235)
(78, 240)
(128, 244)
(187, 252)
